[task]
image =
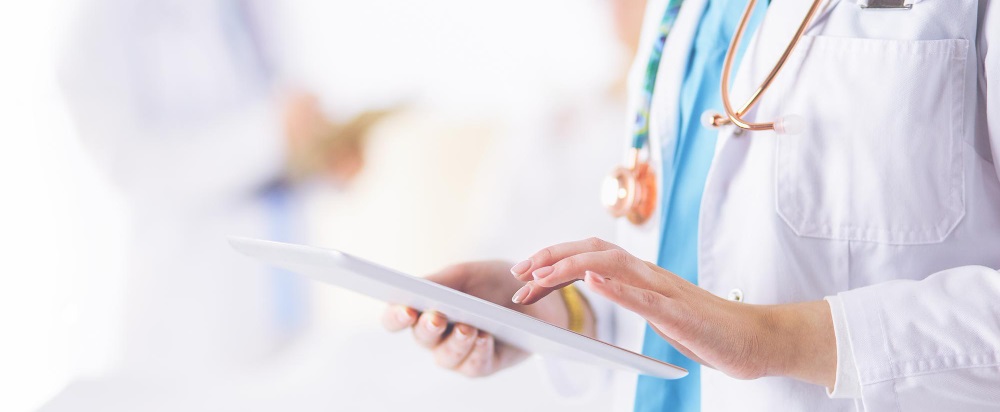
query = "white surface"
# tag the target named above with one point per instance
(523, 331)
(352, 367)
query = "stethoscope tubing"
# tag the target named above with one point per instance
(736, 116)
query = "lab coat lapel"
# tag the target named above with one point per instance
(644, 241)
(766, 46)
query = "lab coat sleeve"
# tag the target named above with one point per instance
(604, 313)
(926, 345)
(570, 379)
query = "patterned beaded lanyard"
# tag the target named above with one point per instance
(630, 191)
(640, 132)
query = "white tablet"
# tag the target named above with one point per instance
(340, 269)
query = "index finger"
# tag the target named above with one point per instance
(618, 263)
(552, 254)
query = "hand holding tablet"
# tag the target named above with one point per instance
(463, 347)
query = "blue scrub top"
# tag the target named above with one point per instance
(683, 184)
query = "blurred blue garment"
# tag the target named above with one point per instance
(289, 294)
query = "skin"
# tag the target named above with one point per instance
(463, 348)
(744, 341)
(305, 128)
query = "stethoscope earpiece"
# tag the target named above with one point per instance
(710, 119)
(789, 124)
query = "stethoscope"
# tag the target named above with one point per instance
(630, 190)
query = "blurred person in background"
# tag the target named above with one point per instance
(186, 106)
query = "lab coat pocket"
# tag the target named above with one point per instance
(880, 157)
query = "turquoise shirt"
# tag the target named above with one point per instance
(684, 177)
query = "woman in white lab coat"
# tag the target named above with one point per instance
(855, 260)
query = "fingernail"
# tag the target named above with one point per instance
(543, 272)
(403, 314)
(520, 268)
(521, 293)
(435, 323)
(464, 331)
(481, 342)
(594, 278)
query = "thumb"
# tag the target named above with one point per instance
(454, 276)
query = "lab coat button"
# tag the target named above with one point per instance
(736, 295)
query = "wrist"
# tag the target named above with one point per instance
(800, 342)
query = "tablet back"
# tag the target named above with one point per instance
(343, 270)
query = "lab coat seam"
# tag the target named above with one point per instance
(859, 405)
(858, 306)
(874, 46)
(885, 346)
(969, 360)
(895, 395)
(898, 376)
(849, 272)
(786, 210)
(886, 343)
(958, 126)
(855, 233)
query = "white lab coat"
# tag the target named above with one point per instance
(888, 202)
(174, 100)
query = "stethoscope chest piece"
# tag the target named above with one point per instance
(630, 192)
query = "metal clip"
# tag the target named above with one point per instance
(886, 4)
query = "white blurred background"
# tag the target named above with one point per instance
(512, 111)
